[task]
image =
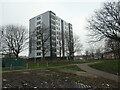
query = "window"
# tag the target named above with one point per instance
(53, 17)
(52, 27)
(38, 28)
(38, 42)
(65, 32)
(39, 37)
(71, 28)
(38, 48)
(59, 28)
(38, 18)
(57, 42)
(38, 22)
(53, 22)
(53, 49)
(59, 33)
(53, 33)
(38, 53)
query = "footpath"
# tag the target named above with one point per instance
(103, 74)
(89, 71)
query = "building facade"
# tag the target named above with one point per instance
(60, 41)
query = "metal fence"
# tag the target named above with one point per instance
(8, 62)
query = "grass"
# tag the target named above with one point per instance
(0, 68)
(51, 64)
(16, 68)
(5, 68)
(35, 65)
(72, 67)
(44, 64)
(110, 66)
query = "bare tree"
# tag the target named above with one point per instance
(3, 47)
(42, 36)
(77, 45)
(86, 54)
(14, 38)
(67, 44)
(95, 51)
(99, 53)
(113, 46)
(90, 52)
(106, 22)
(72, 45)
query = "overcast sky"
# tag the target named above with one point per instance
(74, 11)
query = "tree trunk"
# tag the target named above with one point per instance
(16, 55)
(43, 55)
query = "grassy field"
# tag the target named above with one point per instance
(72, 67)
(52, 64)
(44, 64)
(110, 66)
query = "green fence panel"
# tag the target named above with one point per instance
(7, 62)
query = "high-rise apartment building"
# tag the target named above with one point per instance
(60, 41)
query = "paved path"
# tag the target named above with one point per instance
(84, 66)
(98, 72)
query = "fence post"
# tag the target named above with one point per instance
(10, 66)
(47, 64)
(38, 65)
(26, 65)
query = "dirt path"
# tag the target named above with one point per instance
(98, 72)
